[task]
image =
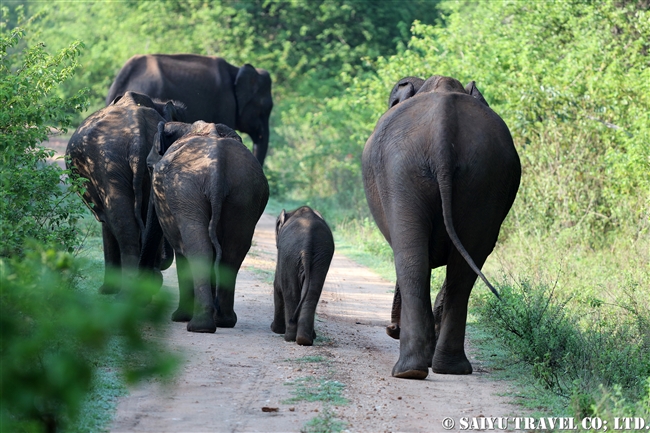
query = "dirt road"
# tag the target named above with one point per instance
(243, 379)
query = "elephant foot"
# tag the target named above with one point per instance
(109, 289)
(411, 374)
(306, 340)
(224, 321)
(393, 331)
(409, 370)
(202, 324)
(289, 336)
(181, 316)
(277, 328)
(449, 364)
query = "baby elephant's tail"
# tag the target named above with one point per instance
(306, 264)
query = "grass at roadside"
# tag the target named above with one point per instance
(99, 406)
(321, 387)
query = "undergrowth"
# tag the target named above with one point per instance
(582, 351)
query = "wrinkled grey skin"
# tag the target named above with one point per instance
(110, 149)
(440, 173)
(212, 89)
(209, 193)
(305, 250)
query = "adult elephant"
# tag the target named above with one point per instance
(212, 89)
(109, 150)
(209, 193)
(440, 173)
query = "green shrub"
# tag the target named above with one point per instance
(35, 196)
(570, 79)
(574, 348)
(51, 335)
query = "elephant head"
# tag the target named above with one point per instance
(169, 132)
(284, 216)
(410, 86)
(254, 104)
(404, 89)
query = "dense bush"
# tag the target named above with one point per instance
(52, 334)
(571, 79)
(304, 45)
(575, 347)
(35, 198)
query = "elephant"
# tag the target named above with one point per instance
(209, 192)
(212, 89)
(305, 250)
(109, 150)
(440, 173)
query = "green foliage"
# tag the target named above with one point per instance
(311, 389)
(613, 404)
(325, 422)
(34, 200)
(574, 347)
(569, 78)
(52, 335)
(304, 45)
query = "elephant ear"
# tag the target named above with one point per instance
(174, 111)
(247, 84)
(159, 139)
(278, 225)
(223, 131)
(117, 98)
(471, 89)
(404, 89)
(168, 133)
(318, 214)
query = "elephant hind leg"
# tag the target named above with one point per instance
(198, 252)
(417, 338)
(236, 239)
(185, 309)
(112, 263)
(450, 313)
(278, 325)
(393, 330)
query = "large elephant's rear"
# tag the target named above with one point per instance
(109, 149)
(440, 173)
(209, 194)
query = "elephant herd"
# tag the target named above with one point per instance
(167, 175)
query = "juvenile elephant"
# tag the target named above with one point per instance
(305, 249)
(440, 173)
(110, 149)
(212, 89)
(209, 193)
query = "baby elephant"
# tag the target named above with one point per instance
(305, 249)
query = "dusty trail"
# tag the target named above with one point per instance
(230, 376)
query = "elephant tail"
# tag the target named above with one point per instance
(305, 261)
(138, 185)
(444, 183)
